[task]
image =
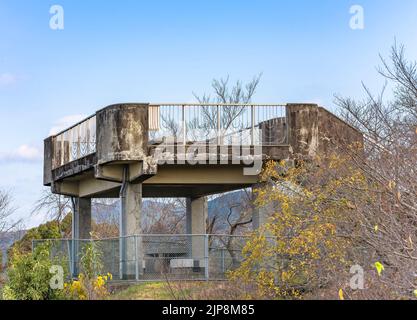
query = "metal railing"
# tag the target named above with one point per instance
(156, 257)
(223, 124)
(75, 142)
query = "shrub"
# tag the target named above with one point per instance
(91, 284)
(29, 277)
(306, 241)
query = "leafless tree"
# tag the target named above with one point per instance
(163, 216)
(6, 210)
(232, 217)
(390, 162)
(53, 206)
(7, 225)
(105, 218)
(225, 93)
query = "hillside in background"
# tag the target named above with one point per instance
(7, 239)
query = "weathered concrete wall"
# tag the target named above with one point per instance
(303, 129)
(48, 152)
(315, 131)
(74, 168)
(274, 132)
(335, 134)
(122, 133)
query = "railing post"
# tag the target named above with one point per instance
(87, 138)
(206, 258)
(79, 142)
(252, 132)
(62, 155)
(184, 126)
(219, 138)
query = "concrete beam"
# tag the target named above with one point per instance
(112, 173)
(201, 174)
(92, 187)
(139, 171)
(66, 188)
(142, 170)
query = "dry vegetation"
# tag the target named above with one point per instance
(357, 206)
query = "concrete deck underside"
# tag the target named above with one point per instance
(170, 181)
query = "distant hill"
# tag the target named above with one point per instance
(7, 239)
(221, 206)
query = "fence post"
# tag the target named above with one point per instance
(136, 259)
(223, 264)
(206, 258)
(73, 258)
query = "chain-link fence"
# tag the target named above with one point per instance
(156, 257)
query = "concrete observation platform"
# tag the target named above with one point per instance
(139, 150)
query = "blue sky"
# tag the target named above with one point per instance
(162, 51)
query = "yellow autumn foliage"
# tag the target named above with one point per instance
(302, 244)
(88, 289)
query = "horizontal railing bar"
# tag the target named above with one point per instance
(150, 235)
(73, 126)
(215, 105)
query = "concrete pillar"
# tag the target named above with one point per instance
(130, 220)
(196, 220)
(81, 228)
(260, 215)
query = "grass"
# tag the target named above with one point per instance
(177, 290)
(144, 291)
(2, 283)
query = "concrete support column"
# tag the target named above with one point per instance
(196, 220)
(260, 215)
(81, 228)
(131, 253)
